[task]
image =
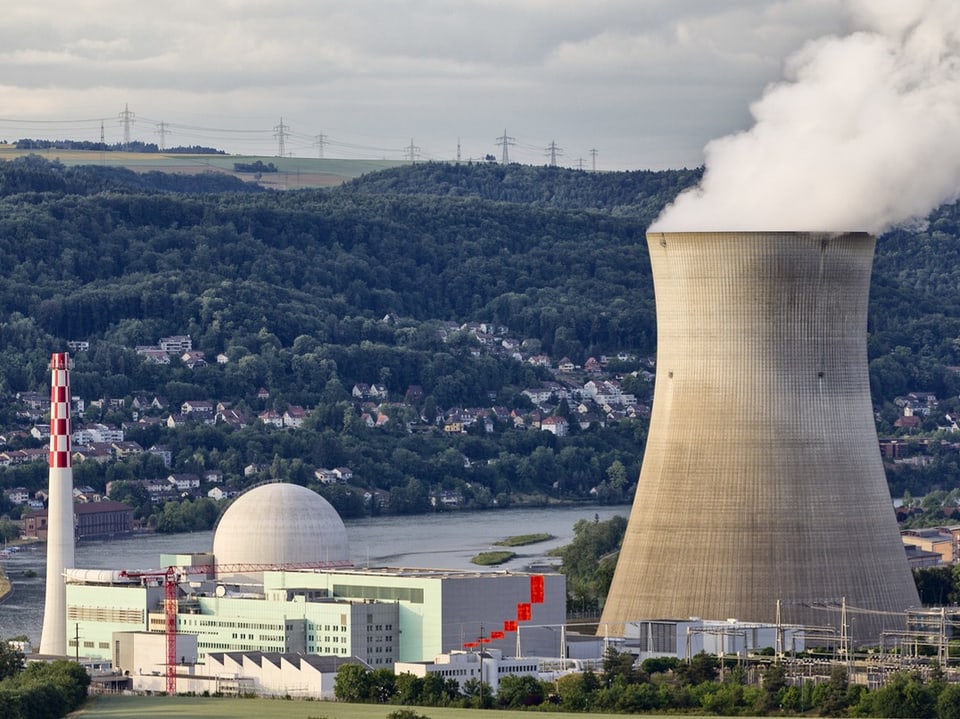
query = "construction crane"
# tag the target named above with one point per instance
(171, 577)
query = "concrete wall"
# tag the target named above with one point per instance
(762, 479)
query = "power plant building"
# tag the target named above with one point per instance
(294, 592)
(762, 483)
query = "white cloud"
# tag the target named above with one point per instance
(621, 75)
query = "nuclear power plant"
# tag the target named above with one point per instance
(762, 482)
(60, 537)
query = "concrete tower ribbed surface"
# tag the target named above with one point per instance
(762, 478)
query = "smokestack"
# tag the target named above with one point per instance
(60, 531)
(762, 479)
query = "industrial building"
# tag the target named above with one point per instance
(91, 520)
(762, 485)
(288, 588)
(486, 665)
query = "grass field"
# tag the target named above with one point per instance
(293, 172)
(117, 707)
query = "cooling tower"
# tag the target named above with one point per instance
(60, 539)
(762, 478)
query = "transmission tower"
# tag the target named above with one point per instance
(458, 149)
(320, 141)
(412, 151)
(552, 151)
(280, 132)
(593, 156)
(127, 118)
(505, 141)
(163, 132)
(102, 141)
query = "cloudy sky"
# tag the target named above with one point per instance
(646, 83)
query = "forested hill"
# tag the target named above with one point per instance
(555, 255)
(307, 293)
(34, 174)
(639, 194)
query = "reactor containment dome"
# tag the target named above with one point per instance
(280, 524)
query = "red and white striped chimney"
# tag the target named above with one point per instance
(60, 530)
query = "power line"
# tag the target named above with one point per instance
(504, 141)
(163, 132)
(127, 118)
(412, 151)
(552, 151)
(280, 132)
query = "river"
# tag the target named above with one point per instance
(442, 541)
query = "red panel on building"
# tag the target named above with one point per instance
(509, 625)
(524, 612)
(536, 589)
(496, 635)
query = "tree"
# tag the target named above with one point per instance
(520, 691)
(617, 664)
(830, 698)
(382, 685)
(904, 695)
(352, 683)
(11, 660)
(948, 703)
(408, 689)
(701, 668)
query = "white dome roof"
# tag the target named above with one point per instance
(280, 524)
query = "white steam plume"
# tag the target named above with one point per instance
(864, 133)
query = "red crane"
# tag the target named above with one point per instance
(171, 580)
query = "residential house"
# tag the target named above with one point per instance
(555, 425)
(176, 420)
(96, 434)
(176, 344)
(199, 410)
(218, 493)
(193, 359)
(18, 495)
(185, 482)
(122, 450)
(231, 418)
(40, 431)
(153, 354)
(325, 476)
(163, 452)
(271, 417)
(360, 391)
(99, 452)
(294, 416)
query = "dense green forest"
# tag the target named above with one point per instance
(310, 292)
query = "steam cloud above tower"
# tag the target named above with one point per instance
(861, 135)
